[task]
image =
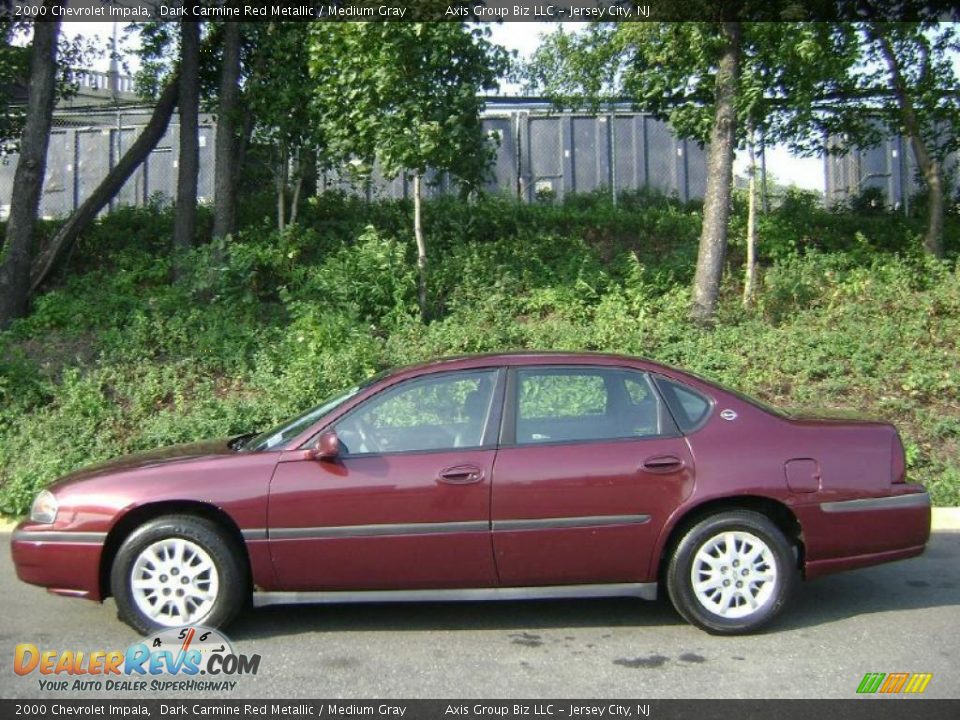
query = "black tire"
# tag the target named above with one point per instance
(699, 612)
(233, 585)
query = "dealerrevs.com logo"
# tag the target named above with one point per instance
(174, 660)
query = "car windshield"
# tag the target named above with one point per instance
(289, 429)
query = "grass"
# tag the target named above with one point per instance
(115, 358)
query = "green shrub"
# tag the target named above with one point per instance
(850, 317)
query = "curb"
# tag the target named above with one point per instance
(945, 518)
(942, 518)
(7, 524)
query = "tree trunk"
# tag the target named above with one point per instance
(63, 240)
(225, 172)
(933, 174)
(929, 166)
(185, 220)
(764, 188)
(297, 187)
(750, 281)
(308, 171)
(421, 245)
(243, 144)
(716, 204)
(281, 186)
(31, 168)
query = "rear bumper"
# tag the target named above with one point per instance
(66, 563)
(819, 568)
(848, 534)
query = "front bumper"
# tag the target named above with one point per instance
(66, 563)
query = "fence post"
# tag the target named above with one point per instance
(683, 186)
(76, 168)
(518, 153)
(612, 157)
(568, 150)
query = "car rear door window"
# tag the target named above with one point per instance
(584, 404)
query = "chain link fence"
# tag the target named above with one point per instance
(542, 155)
(888, 170)
(538, 155)
(85, 145)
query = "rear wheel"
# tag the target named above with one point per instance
(178, 570)
(732, 572)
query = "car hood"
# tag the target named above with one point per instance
(153, 458)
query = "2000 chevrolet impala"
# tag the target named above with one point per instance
(492, 477)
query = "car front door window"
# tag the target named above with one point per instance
(441, 412)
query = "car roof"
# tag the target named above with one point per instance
(532, 357)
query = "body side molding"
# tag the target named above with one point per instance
(644, 591)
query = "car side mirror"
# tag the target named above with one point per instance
(327, 446)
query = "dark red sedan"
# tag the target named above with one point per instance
(530, 475)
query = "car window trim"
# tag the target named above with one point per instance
(491, 430)
(668, 423)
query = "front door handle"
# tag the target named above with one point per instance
(460, 475)
(662, 464)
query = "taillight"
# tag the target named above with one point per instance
(898, 460)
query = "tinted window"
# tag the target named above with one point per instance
(688, 407)
(433, 413)
(561, 395)
(578, 404)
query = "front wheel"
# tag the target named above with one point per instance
(732, 573)
(178, 570)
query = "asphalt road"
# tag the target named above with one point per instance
(900, 617)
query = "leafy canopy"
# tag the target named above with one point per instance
(669, 70)
(406, 95)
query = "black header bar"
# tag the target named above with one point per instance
(485, 10)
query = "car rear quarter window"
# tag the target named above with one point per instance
(689, 408)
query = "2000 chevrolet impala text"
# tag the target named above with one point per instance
(530, 475)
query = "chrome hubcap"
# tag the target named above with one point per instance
(734, 574)
(174, 582)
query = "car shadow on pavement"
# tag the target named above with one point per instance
(932, 580)
(499, 615)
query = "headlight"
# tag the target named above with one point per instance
(44, 508)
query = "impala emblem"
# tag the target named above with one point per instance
(728, 414)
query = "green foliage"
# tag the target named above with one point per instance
(926, 74)
(15, 52)
(406, 95)
(371, 281)
(850, 317)
(669, 69)
(14, 69)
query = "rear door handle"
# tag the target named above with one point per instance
(662, 464)
(460, 475)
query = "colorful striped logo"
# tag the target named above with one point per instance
(892, 683)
